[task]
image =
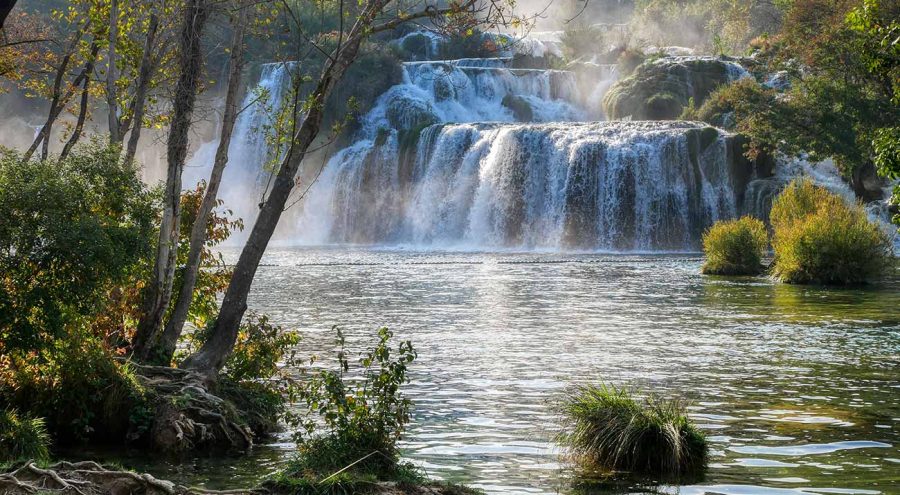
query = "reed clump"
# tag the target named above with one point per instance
(612, 429)
(22, 437)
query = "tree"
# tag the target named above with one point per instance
(842, 99)
(165, 346)
(69, 229)
(371, 16)
(138, 50)
(6, 7)
(159, 290)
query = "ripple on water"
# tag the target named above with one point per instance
(500, 336)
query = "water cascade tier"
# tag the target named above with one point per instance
(503, 152)
(601, 185)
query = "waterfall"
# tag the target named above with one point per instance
(603, 185)
(481, 153)
(249, 154)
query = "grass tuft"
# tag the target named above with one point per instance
(22, 437)
(615, 431)
(735, 247)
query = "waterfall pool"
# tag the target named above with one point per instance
(797, 388)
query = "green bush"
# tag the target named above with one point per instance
(80, 389)
(69, 231)
(819, 238)
(353, 418)
(22, 437)
(611, 429)
(735, 247)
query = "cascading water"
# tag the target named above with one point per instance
(613, 186)
(474, 153)
(480, 153)
(243, 182)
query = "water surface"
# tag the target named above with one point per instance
(796, 387)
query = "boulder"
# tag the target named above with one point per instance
(520, 107)
(660, 89)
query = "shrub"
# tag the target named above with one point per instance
(22, 437)
(581, 39)
(69, 231)
(818, 238)
(353, 418)
(735, 247)
(614, 430)
(80, 389)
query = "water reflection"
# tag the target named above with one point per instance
(796, 386)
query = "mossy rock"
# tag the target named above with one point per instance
(660, 89)
(404, 112)
(520, 107)
(416, 46)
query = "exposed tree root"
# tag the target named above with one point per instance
(82, 478)
(188, 416)
(90, 478)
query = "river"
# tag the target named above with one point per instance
(796, 387)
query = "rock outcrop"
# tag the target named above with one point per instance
(660, 89)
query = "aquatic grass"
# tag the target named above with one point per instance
(819, 238)
(735, 247)
(22, 437)
(612, 429)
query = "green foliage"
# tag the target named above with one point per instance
(259, 348)
(611, 429)
(628, 60)
(818, 238)
(722, 102)
(79, 388)
(354, 417)
(254, 377)
(735, 247)
(717, 26)
(22, 437)
(468, 43)
(845, 96)
(214, 275)
(581, 39)
(69, 231)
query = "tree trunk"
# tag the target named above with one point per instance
(210, 358)
(140, 94)
(159, 291)
(113, 107)
(82, 111)
(169, 338)
(6, 7)
(56, 101)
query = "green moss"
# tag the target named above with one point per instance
(735, 247)
(611, 429)
(662, 106)
(662, 89)
(520, 107)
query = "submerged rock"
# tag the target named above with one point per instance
(660, 89)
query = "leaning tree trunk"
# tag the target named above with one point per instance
(140, 94)
(6, 7)
(168, 340)
(82, 110)
(112, 106)
(210, 358)
(159, 291)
